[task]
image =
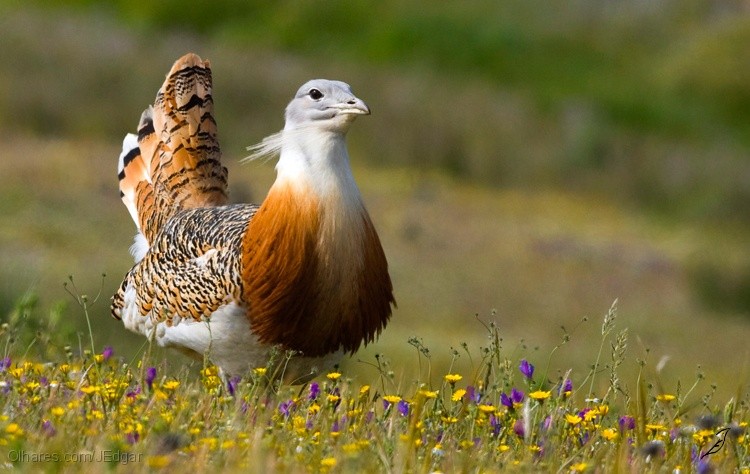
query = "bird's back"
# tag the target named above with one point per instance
(304, 271)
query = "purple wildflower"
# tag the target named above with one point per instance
(518, 428)
(516, 396)
(132, 437)
(5, 364)
(526, 368)
(473, 394)
(314, 391)
(335, 427)
(403, 407)
(505, 400)
(547, 423)
(703, 467)
(567, 386)
(284, 407)
(134, 393)
(627, 423)
(540, 452)
(48, 429)
(150, 376)
(232, 385)
(107, 352)
(495, 424)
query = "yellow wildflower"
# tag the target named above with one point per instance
(328, 462)
(167, 416)
(333, 398)
(487, 408)
(591, 414)
(260, 371)
(392, 398)
(428, 394)
(14, 429)
(333, 375)
(350, 448)
(700, 437)
(653, 427)
(573, 419)
(466, 444)
(458, 395)
(540, 395)
(665, 397)
(210, 442)
(609, 434)
(580, 467)
(364, 390)
(228, 444)
(89, 389)
(453, 378)
(171, 384)
(299, 424)
(503, 447)
(161, 394)
(158, 462)
(210, 371)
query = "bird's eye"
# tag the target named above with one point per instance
(315, 94)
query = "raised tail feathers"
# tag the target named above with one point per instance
(175, 161)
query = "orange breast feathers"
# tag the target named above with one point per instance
(298, 293)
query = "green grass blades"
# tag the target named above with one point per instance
(90, 412)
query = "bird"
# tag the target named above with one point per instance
(303, 272)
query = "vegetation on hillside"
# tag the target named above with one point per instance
(647, 101)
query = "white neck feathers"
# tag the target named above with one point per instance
(312, 159)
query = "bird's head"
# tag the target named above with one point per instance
(330, 105)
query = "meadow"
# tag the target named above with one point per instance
(98, 411)
(516, 200)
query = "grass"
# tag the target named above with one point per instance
(87, 411)
(543, 260)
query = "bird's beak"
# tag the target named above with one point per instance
(353, 106)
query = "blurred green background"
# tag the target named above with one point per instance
(526, 161)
